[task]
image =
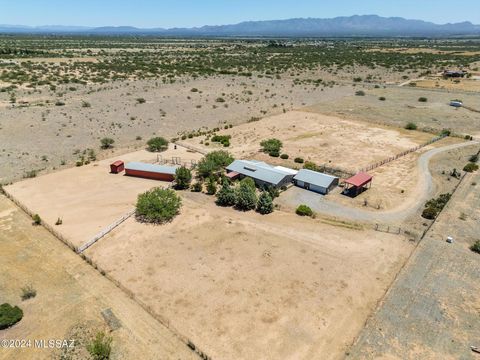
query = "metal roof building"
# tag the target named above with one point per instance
(150, 171)
(262, 173)
(315, 181)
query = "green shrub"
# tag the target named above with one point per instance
(141, 101)
(183, 178)
(423, 99)
(211, 186)
(157, 144)
(158, 206)
(470, 167)
(9, 315)
(37, 220)
(473, 158)
(382, 98)
(272, 147)
(299, 160)
(265, 203)
(304, 210)
(411, 126)
(213, 162)
(360, 93)
(245, 197)
(476, 247)
(106, 143)
(250, 182)
(197, 187)
(226, 195)
(101, 347)
(284, 156)
(222, 139)
(310, 166)
(429, 213)
(434, 206)
(446, 132)
(28, 292)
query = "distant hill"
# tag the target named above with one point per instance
(364, 25)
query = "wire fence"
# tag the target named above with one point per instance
(402, 154)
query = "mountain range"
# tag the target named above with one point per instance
(358, 25)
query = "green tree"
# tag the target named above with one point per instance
(249, 181)
(265, 203)
(271, 147)
(101, 347)
(211, 186)
(183, 178)
(245, 197)
(9, 315)
(213, 162)
(157, 144)
(304, 210)
(411, 126)
(476, 247)
(310, 166)
(158, 206)
(226, 195)
(106, 143)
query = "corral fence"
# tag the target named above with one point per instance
(336, 171)
(192, 148)
(402, 154)
(105, 231)
(388, 229)
(175, 160)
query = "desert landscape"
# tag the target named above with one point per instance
(238, 265)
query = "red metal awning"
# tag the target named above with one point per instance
(232, 174)
(359, 180)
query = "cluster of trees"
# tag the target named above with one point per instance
(244, 197)
(433, 207)
(272, 147)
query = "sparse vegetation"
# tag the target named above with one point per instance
(28, 292)
(100, 348)
(272, 147)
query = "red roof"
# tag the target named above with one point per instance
(359, 180)
(232, 174)
(118, 163)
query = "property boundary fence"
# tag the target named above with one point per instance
(192, 148)
(388, 229)
(105, 231)
(402, 154)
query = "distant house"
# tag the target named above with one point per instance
(262, 173)
(315, 181)
(454, 73)
(150, 171)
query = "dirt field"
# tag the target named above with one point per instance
(89, 198)
(324, 140)
(431, 312)
(246, 286)
(70, 298)
(462, 84)
(401, 106)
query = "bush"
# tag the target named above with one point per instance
(222, 139)
(28, 292)
(411, 126)
(101, 347)
(250, 182)
(473, 158)
(271, 147)
(310, 166)
(299, 160)
(183, 178)
(141, 100)
(429, 213)
(106, 143)
(284, 156)
(211, 186)
(445, 132)
(197, 187)
(37, 220)
(476, 247)
(9, 315)
(434, 206)
(265, 203)
(226, 195)
(470, 167)
(304, 210)
(423, 99)
(157, 144)
(360, 93)
(213, 162)
(158, 206)
(382, 98)
(245, 197)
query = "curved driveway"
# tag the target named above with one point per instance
(424, 191)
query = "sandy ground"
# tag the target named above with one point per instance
(431, 312)
(89, 198)
(462, 84)
(324, 140)
(70, 298)
(246, 286)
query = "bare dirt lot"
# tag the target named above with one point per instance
(431, 312)
(70, 298)
(246, 286)
(460, 84)
(324, 140)
(87, 199)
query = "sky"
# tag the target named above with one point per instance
(189, 13)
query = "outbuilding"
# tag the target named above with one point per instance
(315, 181)
(150, 171)
(357, 184)
(262, 173)
(117, 167)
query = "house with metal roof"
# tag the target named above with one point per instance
(262, 173)
(315, 181)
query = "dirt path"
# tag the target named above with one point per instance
(421, 194)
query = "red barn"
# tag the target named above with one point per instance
(117, 167)
(150, 171)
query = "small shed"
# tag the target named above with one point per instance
(358, 183)
(117, 167)
(150, 171)
(315, 181)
